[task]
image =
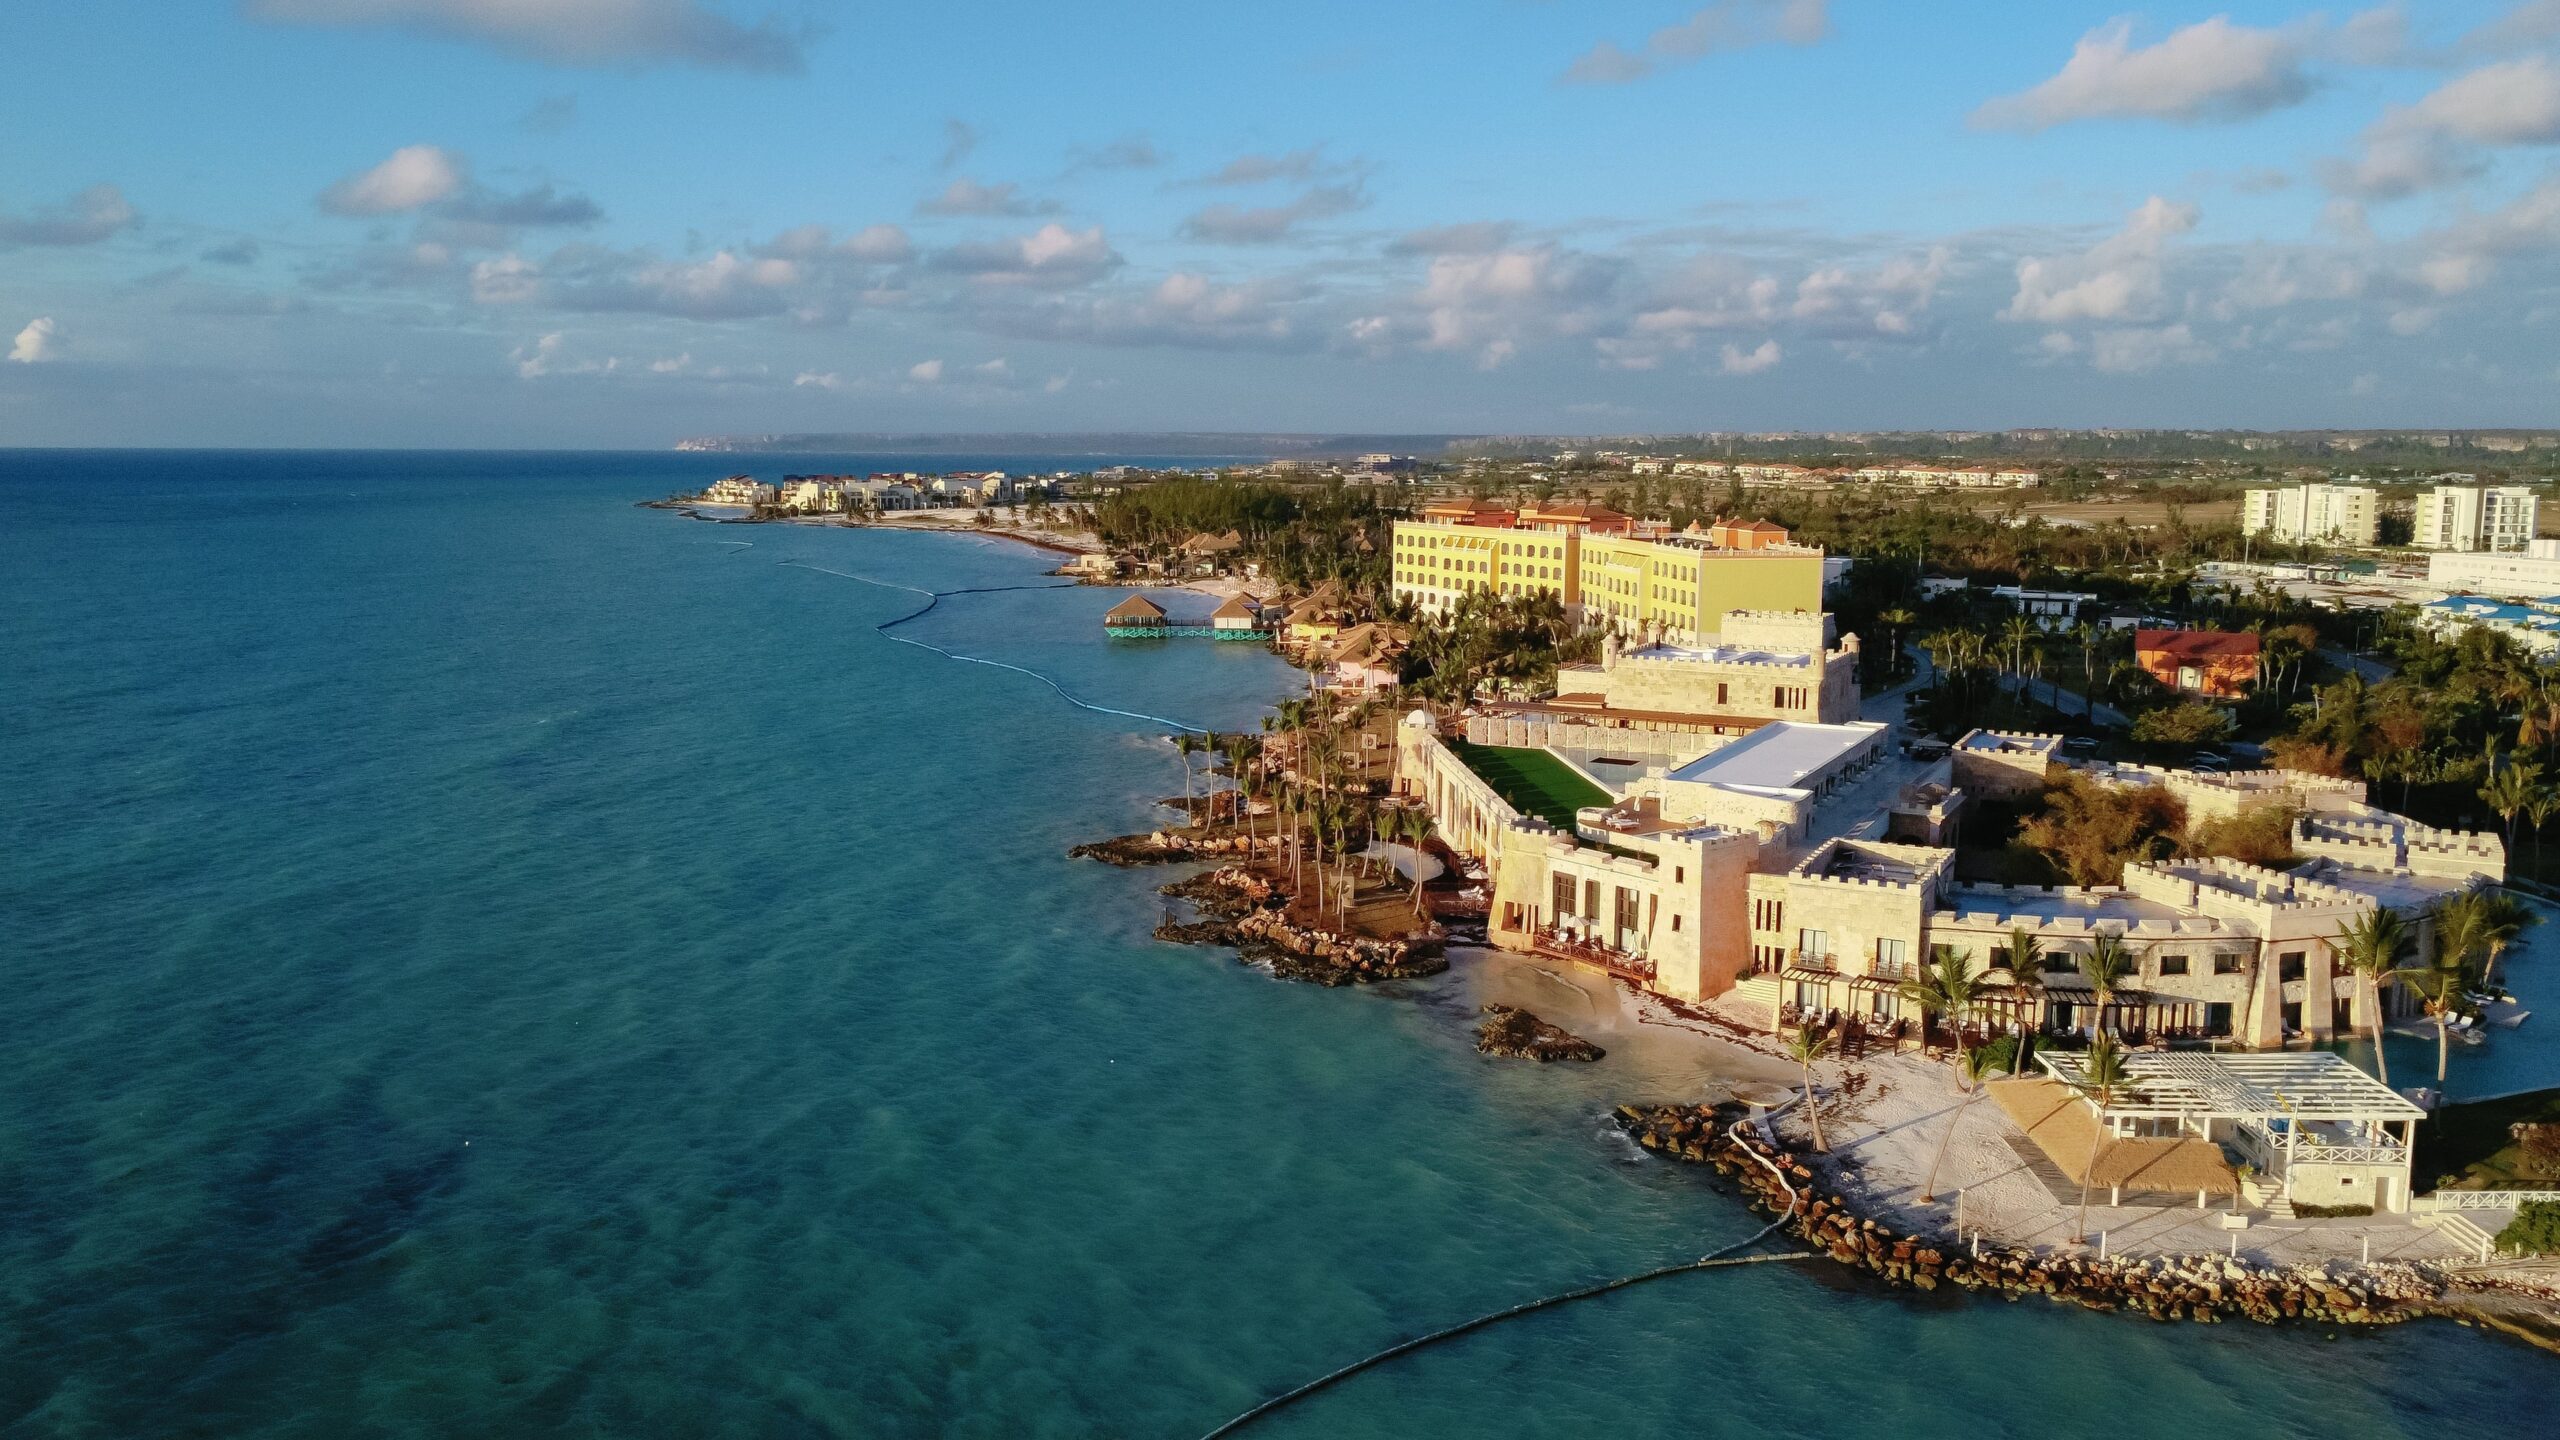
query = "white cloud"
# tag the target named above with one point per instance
(925, 372)
(507, 280)
(872, 245)
(39, 342)
(1721, 26)
(2133, 350)
(415, 176)
(2119, 278)
(85, 219)
(967, 197)
(1052, 255)
(1260, 169)
(2461, 257)
(1239, 225)
(2212, 70)
(1489, 304)
(601, 33)
(1737, 361)
(2436, 141)
(537, 361)
(2516, 102)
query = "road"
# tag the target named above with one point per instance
(2372, 670)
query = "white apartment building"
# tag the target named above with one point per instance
(2530, 574)
(2474, 517)
(2343, 514)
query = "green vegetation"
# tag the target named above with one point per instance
(1515, 641)
(2474, 1146)
(2089, 829)
(2535, 1230)
(2183, 726)
(1532, 781)
(1302, 536)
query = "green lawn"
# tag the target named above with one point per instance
(1533, 781)
(2471, 1141)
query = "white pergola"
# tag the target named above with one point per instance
(2310, 1104)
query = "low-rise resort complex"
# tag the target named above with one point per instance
(1705, 814)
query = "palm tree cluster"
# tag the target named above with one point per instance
(1321, 810)
(2473, 931)
(1518, 640)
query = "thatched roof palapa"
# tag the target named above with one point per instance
(2065, 1128)
(1137, 609)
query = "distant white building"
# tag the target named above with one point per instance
(2049, 609)
(737, 490)
(2474, 517)
(2527, 576)
(2342, 514)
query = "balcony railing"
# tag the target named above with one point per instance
(1594, 952)
(1813, 960)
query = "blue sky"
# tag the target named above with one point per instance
(615, 222)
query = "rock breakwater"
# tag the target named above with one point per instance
(1242, 909)
(2204, 1290)
(1516, 1034)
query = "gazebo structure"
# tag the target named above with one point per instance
(2308, 1121)
(1137, 616)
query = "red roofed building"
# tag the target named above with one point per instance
(1580, 516)
(1746, 534)
(2216, 664)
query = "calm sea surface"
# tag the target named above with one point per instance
(479, 958)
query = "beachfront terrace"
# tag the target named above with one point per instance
(2327, 1132)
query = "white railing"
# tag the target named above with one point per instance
(2311, 1154)
(2442, 1200)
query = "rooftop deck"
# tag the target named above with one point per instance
(1779, 757)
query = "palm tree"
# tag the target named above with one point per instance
(2511, 791)
(2370, 947)
(2088, 634)
(1238, 749)
(2106, 965)
(1189, 745)
(1254, 782)
(2546, 804)
(1414, 828)
(2462, 929)
(2015, 634)
(2508, 919)
(1894, 620)
(1973, 1072)
(1804, 1047)
(2026, 981)
(2102, 1074)
(1948, 988)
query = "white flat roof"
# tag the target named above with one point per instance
(1778, 757)
(1721, 655)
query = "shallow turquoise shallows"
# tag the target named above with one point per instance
(480, 958)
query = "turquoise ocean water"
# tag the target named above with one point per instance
(479, 958)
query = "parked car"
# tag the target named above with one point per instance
(2081, 745)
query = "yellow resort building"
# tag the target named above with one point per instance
(1635, 578)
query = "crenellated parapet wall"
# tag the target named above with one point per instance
(2235, 886)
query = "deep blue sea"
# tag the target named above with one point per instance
(480, 958)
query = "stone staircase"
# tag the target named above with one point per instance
(2473, 1231)
(2266, 1195)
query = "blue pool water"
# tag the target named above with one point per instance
(478, 957)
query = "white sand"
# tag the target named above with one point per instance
(1885, 1116)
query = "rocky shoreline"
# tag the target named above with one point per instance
(1165, 847)
(1515, 1034)
(2203, 1290)
(1243, 910)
